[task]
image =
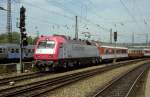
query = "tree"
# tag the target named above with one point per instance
(3, 38)
(15, 38)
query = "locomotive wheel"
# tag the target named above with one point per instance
(100, 60)
(65, 65)
(41, 68)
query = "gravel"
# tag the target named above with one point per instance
(147, 88)
(83, 87)
(49, 77)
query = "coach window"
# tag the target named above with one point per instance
(106, 51)
(1, 50)
(17, 50)
(120, 51)
(117, 51)
(140, 51)
(113, 51)
(125, 51)
(12, 50)
(32, 50)
(29, 51)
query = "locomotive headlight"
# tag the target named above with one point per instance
(37, 56)
(50, 56)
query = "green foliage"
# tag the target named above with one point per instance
(34, 40)
(3, 38)
(15, 38)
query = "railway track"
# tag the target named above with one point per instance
(18, 78)
(123, 85)
(37, 88)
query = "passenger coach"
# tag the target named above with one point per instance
(108, 52)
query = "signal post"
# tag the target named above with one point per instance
(23, 36)
(115, 39)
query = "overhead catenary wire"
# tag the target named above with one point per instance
(85, 19)
(132, 17)
(42, 20)
(48, 11)
(141, 15)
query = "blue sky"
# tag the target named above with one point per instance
(48, 17)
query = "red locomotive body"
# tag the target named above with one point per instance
(60, 51)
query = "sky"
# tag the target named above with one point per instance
(46, 17)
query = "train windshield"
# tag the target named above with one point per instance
(46, 44)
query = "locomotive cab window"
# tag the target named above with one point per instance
(61, 45)
(46, 44)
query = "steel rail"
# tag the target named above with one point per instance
(135, 82)
(6, 81)
(55, 82)
(114, 84)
